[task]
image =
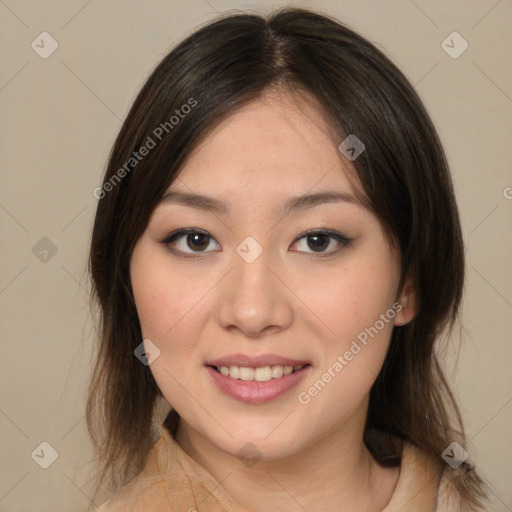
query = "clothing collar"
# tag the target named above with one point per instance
(416, 489)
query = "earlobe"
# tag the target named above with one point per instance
(408, 303)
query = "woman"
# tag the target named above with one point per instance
(301, 375)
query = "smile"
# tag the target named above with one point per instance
(257, 385)
(260, 374)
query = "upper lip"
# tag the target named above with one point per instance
(255, 361)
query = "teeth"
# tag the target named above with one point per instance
(277, 371)
(260, 374)
(263, 374)
(287, 370)
(246, 373)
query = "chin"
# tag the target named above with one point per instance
(258, 440)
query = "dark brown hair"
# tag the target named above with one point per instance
(403, 173)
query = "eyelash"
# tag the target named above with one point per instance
(339, 237)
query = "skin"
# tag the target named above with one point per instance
(291, 301)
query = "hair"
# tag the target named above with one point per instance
(403, 173)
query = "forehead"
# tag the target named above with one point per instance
(273, 146)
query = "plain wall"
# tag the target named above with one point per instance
(59, 118)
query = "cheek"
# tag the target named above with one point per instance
(356, 339)
(350, 299)
(157, 304)
(168, 305)
(350, 359)
(167, 301)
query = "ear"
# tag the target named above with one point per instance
(408, 302)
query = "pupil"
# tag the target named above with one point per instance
(195, 237)
(316, 245)
(315, 242)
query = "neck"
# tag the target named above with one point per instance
(336, 473)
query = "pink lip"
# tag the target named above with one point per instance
(254, 392)
(255, 361)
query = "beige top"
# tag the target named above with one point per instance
(172, 481)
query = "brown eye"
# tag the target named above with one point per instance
(197, 241)
(319, 241)
(188, 242)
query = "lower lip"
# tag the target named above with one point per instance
(254, 392)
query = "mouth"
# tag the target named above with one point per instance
(260, 374)
(257, 380)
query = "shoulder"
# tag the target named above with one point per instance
(425, 482)
(148, 490)
(167, 483)
(441, 478)
(446, 482)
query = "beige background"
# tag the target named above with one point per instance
(59, 118)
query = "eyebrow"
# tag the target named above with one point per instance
(297, 203)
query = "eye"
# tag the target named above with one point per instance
(196, 239)
(319, 240)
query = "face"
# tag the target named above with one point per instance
(260, 282)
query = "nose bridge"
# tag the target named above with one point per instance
(255, 298)
(254, 287)
(252, 271)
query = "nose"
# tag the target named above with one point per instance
(254, 299)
